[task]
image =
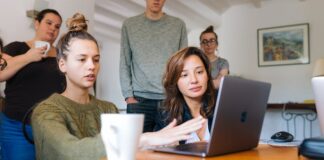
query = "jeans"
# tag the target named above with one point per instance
(14, 146)
(148, 107)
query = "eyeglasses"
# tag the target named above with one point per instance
(208, 42)
(3, 63)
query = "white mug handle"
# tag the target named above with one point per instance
(48, 46)
(115, 146)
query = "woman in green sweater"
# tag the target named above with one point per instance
(67, 125)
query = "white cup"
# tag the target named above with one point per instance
(39, 44)
(120, 134)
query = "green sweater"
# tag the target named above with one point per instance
(66, 130)
(146, 45)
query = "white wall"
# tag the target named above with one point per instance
(69, 7)
(108, 85)
(16, 26)
(14, 22)
(238, 43)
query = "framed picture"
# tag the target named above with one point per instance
(283, 45)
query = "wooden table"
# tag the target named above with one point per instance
(262, 152)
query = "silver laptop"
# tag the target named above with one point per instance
(238, 118)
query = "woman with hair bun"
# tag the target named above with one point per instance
(66, 126)
(31, 76)
(209, 44)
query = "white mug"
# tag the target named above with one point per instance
(120, 134)
(39, 44)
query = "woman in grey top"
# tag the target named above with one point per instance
(209, 44)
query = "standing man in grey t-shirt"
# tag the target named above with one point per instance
(147, 41)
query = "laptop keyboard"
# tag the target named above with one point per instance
(192, 147)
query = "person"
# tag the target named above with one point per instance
(189, 92)
(209, 44)
(67, 125)
(147, 41)
(1, 45)
(30, 77)
(3, 65)
(3, 62)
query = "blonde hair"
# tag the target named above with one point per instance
(77, 26)
(77, 23)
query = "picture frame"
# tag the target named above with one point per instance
(283, 45)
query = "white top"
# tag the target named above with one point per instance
(194, 137)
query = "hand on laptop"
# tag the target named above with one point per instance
(171, 134)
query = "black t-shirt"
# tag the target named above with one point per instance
(31, 84)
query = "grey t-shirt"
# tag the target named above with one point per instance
(218, 65)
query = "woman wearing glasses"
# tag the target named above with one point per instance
(30, 76)
(209, 44)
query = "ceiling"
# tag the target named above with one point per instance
(110, 14)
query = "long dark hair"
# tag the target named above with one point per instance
(174, 101)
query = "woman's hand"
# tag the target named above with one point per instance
(14, 64)
(36, 54)
(171, 134)
(222, 73)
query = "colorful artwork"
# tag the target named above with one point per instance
(283, 45)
